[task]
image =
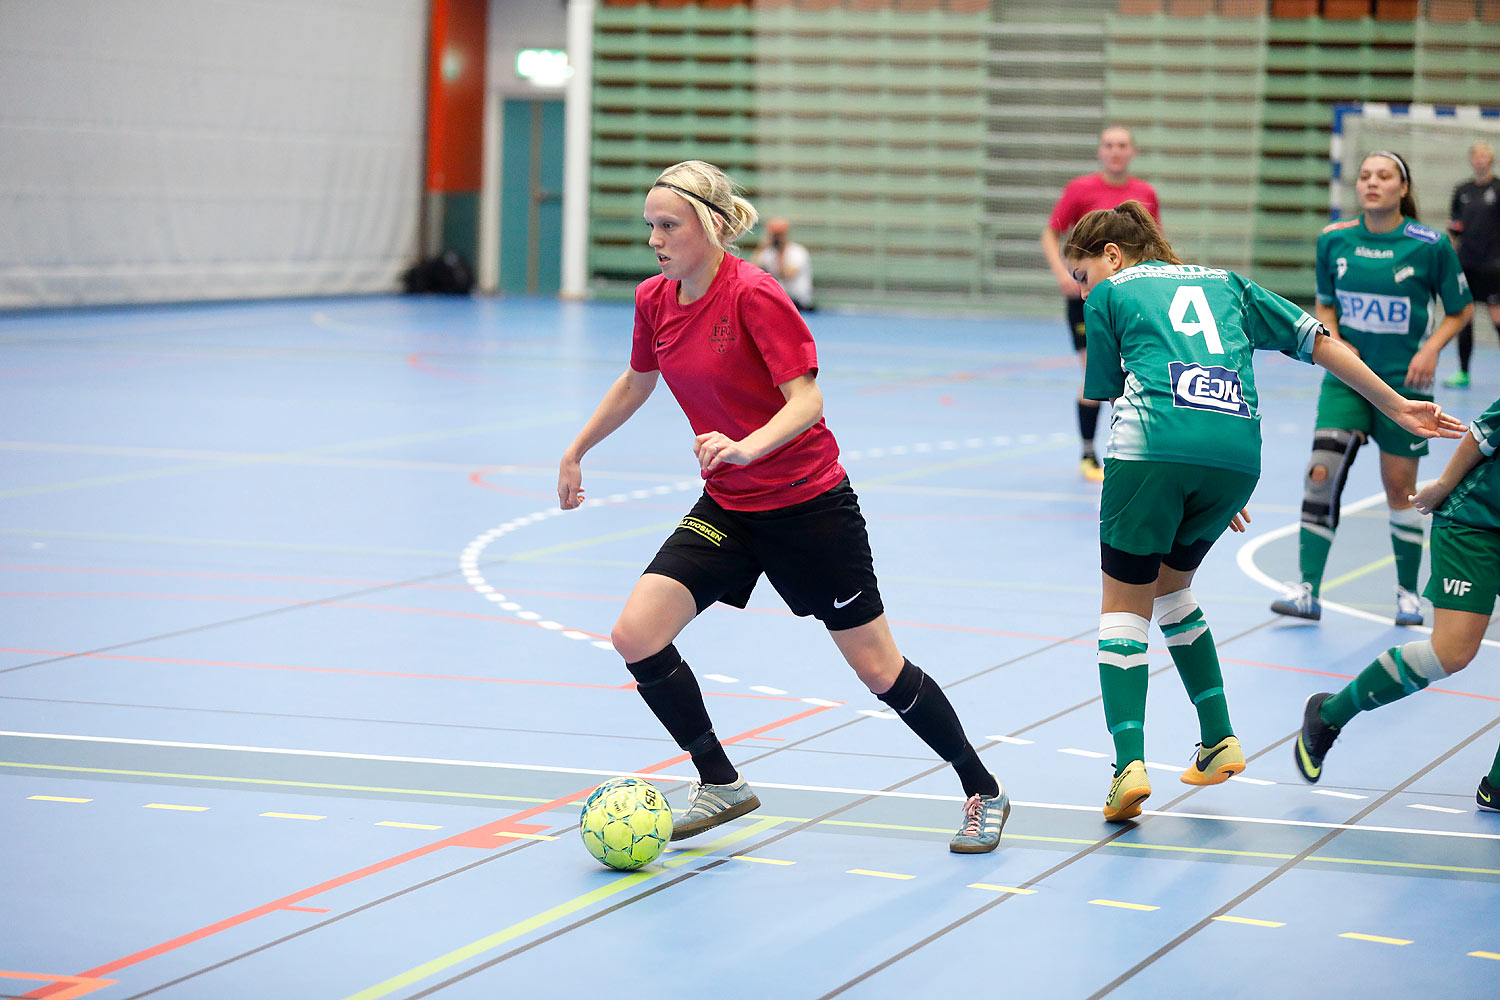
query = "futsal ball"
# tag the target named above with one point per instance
(625, 823)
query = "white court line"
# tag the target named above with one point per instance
(1245, 559)
(858, 792)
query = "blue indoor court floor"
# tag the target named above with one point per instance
(303, 676)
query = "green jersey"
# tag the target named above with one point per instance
(1383, 285)
(1475, 501)
(1171, 344)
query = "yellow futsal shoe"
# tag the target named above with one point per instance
(1090, 469)
(1216, 764)
(1130, 789)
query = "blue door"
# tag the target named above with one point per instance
(531, 179)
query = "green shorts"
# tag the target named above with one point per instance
(1341, 407)
(1465, 568)
(1149, 508)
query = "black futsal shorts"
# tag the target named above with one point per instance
(1075, 323)
(816, 554)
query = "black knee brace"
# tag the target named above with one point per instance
(1334, 449)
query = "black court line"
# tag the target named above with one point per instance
(814, 821)
(685, 875)
(1286, 867)
(1078, 856)
(715, 863)
(498, 855)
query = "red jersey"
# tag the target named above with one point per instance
(723, 357)
(1091, 191)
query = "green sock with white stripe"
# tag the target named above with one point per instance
(1192, 647)
(1394, 674)
(1406, 543)
(1122, 681)
(1313, 544)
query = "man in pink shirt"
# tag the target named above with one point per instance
(1109, 188)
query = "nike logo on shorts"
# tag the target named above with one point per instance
(846, 602)
(1417, 445)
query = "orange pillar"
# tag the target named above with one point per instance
(455, 124)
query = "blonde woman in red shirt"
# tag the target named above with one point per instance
(741, 363)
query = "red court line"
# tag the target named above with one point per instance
(309, 909)
(61, 987)
(629, 685)
(477, 478)
(482, 837)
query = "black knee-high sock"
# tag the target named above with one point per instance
(1088, 422)
(671, 691)
(923, 706)
(1465, 346)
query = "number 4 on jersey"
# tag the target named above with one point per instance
(1191, 296)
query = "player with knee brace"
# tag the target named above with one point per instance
(1465, 506)
(1377, 275)
(1171, 344)
(742, 364)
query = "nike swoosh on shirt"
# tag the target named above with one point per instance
(845, 603)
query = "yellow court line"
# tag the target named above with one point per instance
(866, 871)
(408, 826)
(617, 884)
(274, 815)
(1252, 922)
(761, 861)
(525, 836)
(164, 805)
(1123, 906)
(56, 798)
(1002, 888)
(1484, 954)
(1371, 937)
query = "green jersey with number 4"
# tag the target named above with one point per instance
(1475, 501)
(1171, 344)
(1383, 284)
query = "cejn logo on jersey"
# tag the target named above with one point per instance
(1374, 313)
(1207, 387)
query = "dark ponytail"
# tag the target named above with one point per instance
(1130, 227)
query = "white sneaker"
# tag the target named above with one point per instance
(1408, 607)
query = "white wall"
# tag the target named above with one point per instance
(156, 150)
(523, 24)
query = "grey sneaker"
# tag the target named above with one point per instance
(984, 818)
(1408, 607)
(1299, 602)
(710, 805)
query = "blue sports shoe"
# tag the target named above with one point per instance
(710, 805)
(984, 818)
(1299, 602)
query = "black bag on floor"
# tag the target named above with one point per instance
(447, 274)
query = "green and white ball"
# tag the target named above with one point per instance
(626, 823)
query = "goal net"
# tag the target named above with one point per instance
(1434, 141)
